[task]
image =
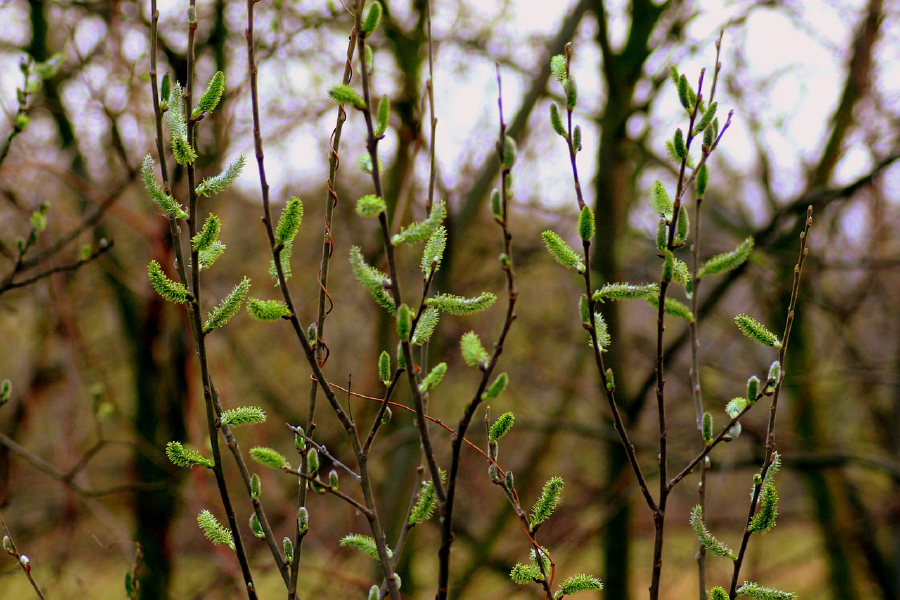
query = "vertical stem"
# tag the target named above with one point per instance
(770, 429)
(346, 421)
(14, 552)
(197, 325)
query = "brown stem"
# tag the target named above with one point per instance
(487, 371)
(14, 552)
(770, 429)
(276, 248)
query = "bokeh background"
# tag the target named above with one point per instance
(103, 371)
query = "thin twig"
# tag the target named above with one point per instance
(346, 421)
(770, 429)
(23, 560)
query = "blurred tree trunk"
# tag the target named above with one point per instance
(621, 70)
(156, 335)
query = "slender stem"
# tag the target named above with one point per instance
(487, 371)
(770, 429)
(331, 200)
(346, 421)
(25, 565)
(430, 87)
(608, 389)
(197, 326)
(694, 332)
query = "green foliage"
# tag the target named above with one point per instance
(208, 256)
(165, 287)
(243, 415)
(603, 337)
(217, 184)
(496, 388)
(556, 121)
(184, 154)
(718, 593)
(702, 181)
(384, 368)
(256, 528)
(370, 205)
(344, 94)
(501, 426)
(426, 502)
(774, 377)
(558, 69)
(764, 520)
(228, 307)
(267, 310)
(753, 590)
(525, 574)
(727, 261)
(473, 352)
(404, 323)
(682, 227)
(186, 457)
(571, 93)
(163, 200)
(384, 115)
(705, 538)
(289, 222)
(679, 149)
(209, 99)
(496, 206)
(626, 291)
(434, 377)
(208, 234)
(421, 230)
(269, 457)
(577, 584)
(673, 307)
(752, 389)
(548, 501)
(586, 227)
(373, 18)
(562, 252)
(660, 198)
(213, 530)
(736, 406)
(680, 272)
(5, 391)
(372, 279)
(707, 430)
(434, 251)
(756, 331)
(457, 305)
(364, 544)
(164, 90)
(510, 151)
(302, 520)
(707, 118)
(288, 550)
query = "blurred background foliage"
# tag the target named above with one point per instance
(103, 373)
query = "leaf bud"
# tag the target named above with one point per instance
(255, 487)
(576, 138)
(373, 18)
(288, 550)
(404, 323)
(302, 520)
(509, 152)
(333, 480)
(586, 226)
(256, 528)
(752, 388)
(556, 120)
(8, 545)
